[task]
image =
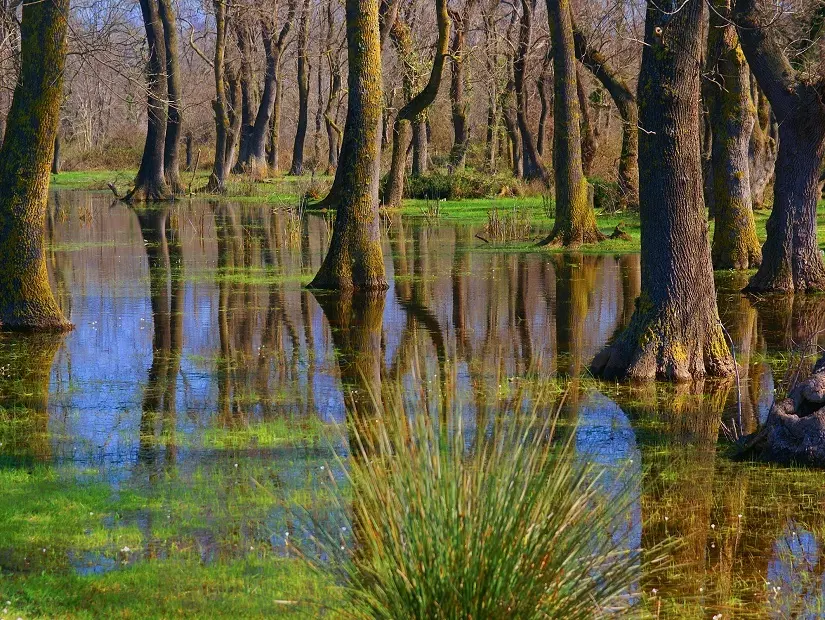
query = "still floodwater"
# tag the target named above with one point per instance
(198, 364)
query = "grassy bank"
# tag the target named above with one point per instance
(531, 207)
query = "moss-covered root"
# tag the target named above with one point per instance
(660, 345)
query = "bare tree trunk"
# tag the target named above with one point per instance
(675, 332)
(150, 183)
(531, 165)
(354, 259)
(791, 259)
(541, 140)
(171, 150)
(458, 105)
(227, 119)
(589, 144)
(275, 131)
(255, 155)
(25, 160)
(297, 167)
(491, 147)
(56, 163)
(420, 146)
(243, 36)
(575, 220)
(625, 102)
(418, 104)
(728, 98)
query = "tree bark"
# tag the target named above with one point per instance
(227, 119)
(791, 259)
(243, 36)
(255, 155)
(541, 139)
(354, 259)
(625, 102)
(763, 146)
(418, 104)
(56, 162)
(26, 158)
(458, 103)
(575, 220)
(588, 136)
(297, 167)
(171, 150)
(728, 99)
(420, 146)
(675, 333)
(531, 165)
(150, 183)
(275, 131)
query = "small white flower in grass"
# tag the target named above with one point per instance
(252, 548)
(654, 591)
(713, 545)
(44, 551)
(701, 589)
(666, 518)
(713, 526)
(236, 464)
(740, 516)
(125, 550)
(322, 468)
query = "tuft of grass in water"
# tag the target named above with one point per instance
(512, 526)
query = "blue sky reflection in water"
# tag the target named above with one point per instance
(213, 362)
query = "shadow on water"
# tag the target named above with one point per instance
(205, 380)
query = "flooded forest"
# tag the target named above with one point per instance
(412, 309)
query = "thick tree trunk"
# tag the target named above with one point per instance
(511, 130)
(575, 220)
(625, 103)
(728, 99)
(790, 257)
(297, 167)
(333, 130)
(531, 166)
(354, 259)
(150, 183)
(256, 152)
(25, 162)
(415, 107)
(171, 150)
(675, 333)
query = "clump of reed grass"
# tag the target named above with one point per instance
(508, 226)
(500, 522)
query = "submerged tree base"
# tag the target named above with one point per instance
(660, 343)
(795, 429)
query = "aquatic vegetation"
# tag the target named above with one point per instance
(512, 525)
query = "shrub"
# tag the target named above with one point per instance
(459, 185)
(514, 526)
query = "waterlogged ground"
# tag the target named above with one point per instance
(172, 453)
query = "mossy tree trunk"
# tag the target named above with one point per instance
(275, 128)
(414, 108)
(354, 259)
(334, 94)
(625, 102)
(297, 167)
(675, 333)
(575, 220)
(731, 115)
(150, 183)
(26, 300)
(244, 38)
(174, 122)
(420, 145)
(531, 166)
(791, 259)
(273, 47)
